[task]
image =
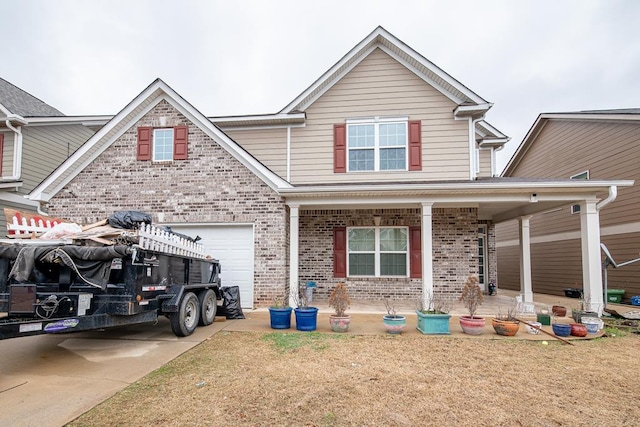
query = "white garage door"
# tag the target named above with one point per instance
(233, 246)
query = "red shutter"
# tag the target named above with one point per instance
(415, 252)
(1, 151)
(415, 146)
(339, 148)
(180, 142)
(144, 143)
(340, 252)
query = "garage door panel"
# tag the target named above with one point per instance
(233, 246)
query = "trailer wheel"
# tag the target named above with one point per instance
(185, 321)
(208, 306)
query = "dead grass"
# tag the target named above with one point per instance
(302, 379)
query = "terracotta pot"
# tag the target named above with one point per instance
(339, 323)
(559, 310)
(505, 328)
(578, 330)
(472, 325)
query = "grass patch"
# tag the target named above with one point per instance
(292, 341)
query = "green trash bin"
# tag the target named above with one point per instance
(615, 295)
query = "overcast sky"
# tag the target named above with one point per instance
(248, 57)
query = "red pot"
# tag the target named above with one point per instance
(578, 330)
(559, 310)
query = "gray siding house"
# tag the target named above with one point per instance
(379, 175)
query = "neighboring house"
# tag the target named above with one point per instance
(588, 145)
(379, 175)
(35, 138)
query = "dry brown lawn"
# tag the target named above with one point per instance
(313, 379)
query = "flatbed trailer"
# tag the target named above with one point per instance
(52, 287)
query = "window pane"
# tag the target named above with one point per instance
(360, 136)
(393, 264)
(361, 265)
(393, 239)
(393, 134)
(162, 144)
(393, 159)
(360, 160)
(362, 239)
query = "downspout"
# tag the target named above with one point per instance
(613, 193)
(17, 151)
(288, 153)
(472, 146)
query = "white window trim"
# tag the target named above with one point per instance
(153, 144)
(376, 121)
(575, 209)
(483, 235)
(377, 252)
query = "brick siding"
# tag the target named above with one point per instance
(210, 187)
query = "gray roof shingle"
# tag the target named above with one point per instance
(19, 102)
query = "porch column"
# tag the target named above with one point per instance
(591, 273)
(294, 227)
(526, 291)
(427, 252)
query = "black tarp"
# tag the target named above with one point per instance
(128, 219)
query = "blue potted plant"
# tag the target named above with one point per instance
(394, 323)
(280, 312)
(306, 316)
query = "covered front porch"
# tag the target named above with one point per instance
(430, 208)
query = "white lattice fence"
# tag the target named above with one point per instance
(157, 239)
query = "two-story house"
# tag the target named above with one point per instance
(35, 138)
(583, 145)
(380, 175)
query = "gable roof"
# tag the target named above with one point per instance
(19, 102)
(121, 122)
(623, 114)
(394, 47)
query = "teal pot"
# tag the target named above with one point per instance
(394, 324)
(433, 324)
(306, 318)
(472, 325)
(280, 317)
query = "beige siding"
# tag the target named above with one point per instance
(380, 86)
(269, 146)
(485, 163)
(608, 150)
(7, 153)
(45, 148)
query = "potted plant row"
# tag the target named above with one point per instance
(433, 315)
(471, 298)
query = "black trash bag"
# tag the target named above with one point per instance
(231, 302)
(128, 219)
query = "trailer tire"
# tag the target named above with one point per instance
(208, 307)
(185, 321)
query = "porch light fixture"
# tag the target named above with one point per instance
(376, 221)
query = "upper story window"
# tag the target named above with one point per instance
(378, 145)
(582, 175)
(378, 251)
(163, 144)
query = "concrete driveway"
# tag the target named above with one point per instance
(49, 380)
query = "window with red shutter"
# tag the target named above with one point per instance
(339, 148)
(415, 145)
(144, 143)
(415, 252)
(340, 252)
(180, 143)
